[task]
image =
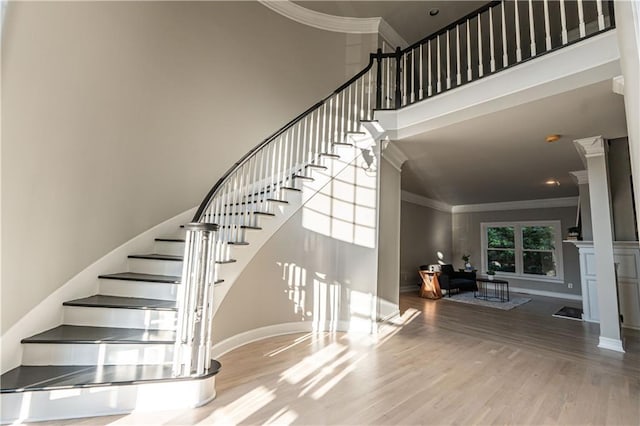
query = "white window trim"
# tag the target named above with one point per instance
(559, 278)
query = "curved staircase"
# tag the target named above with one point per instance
(133, 345)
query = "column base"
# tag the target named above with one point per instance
(611, 344)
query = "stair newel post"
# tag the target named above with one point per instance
(398, 78)
(379, 79)
(195, 301)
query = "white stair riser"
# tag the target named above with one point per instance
(145, 290)
(174, 248)
(157, 267)
(106, 400)
(96, 354)
(147, 319)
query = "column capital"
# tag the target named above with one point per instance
(591, 147)
(581, 177)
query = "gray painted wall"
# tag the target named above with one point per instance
(389, 239)
(621, 191)
(423, 233)
(466, 239)
(119, 115)
(319, 268)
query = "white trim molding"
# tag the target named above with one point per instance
(340, 24)
(394, 156)
(547, 203)
(554, 294)
(590, 147)
(581, 177)
(421, 200)
(611, 344)
(617, 85)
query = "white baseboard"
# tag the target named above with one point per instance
(611, 344)
(48, 313)
(387, 310)
(554, 294)
(234, 342)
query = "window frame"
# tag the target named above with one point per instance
(519, 249)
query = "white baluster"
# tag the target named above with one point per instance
(325, 139)
(421, 93)
(600, 15)
(369, 93)
(480, 66)
(532, 31)
(361, 112)
(448, 60)
(469, 70)
(583, 30)
(563, 22)
(413, 76)
(349, 107)
(388, 86)
(517, 18)
(439, 83)
(458, 64)
(492, 62)
(505, 55)
(429, 82)
(547, 30)
(404, 79)
(342, 117)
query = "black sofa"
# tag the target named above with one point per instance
(451, 280)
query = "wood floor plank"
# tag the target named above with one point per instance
(450, 364)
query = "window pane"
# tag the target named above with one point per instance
(500, 237)
(501, 260)
(537, 238)
(539, 263)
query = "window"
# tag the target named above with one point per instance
(523, 249)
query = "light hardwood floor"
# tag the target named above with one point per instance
(442, 363)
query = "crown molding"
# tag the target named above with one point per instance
(617, 84)
(581, 177)
(340, 24)
(547, 203)
(421, 200)
(394, 156)
(590, 147)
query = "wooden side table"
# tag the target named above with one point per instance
(430, 288)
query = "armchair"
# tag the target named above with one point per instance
(461, 281)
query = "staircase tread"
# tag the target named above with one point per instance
(327, 154)
(343, 144)
(102, 301)
(257, 228)
(290, 188)
(247, 212)
(156, 256)
(135, 276)
(237, 243)
(51, 377)
(303, 177)
(317, 166)
(85, 334)
(171, 239)
(226, 261)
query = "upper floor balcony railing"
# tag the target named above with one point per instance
(497, 36)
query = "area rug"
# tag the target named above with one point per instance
(568, 312)
(467, 297)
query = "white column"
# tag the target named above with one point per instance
(582, 180)
(594, 151)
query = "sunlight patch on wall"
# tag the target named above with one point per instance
(345, 209)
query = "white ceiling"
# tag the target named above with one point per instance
(410, 19)
(501, 156)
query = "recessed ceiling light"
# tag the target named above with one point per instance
(552, 182)
(434, 11)
(552, 138)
